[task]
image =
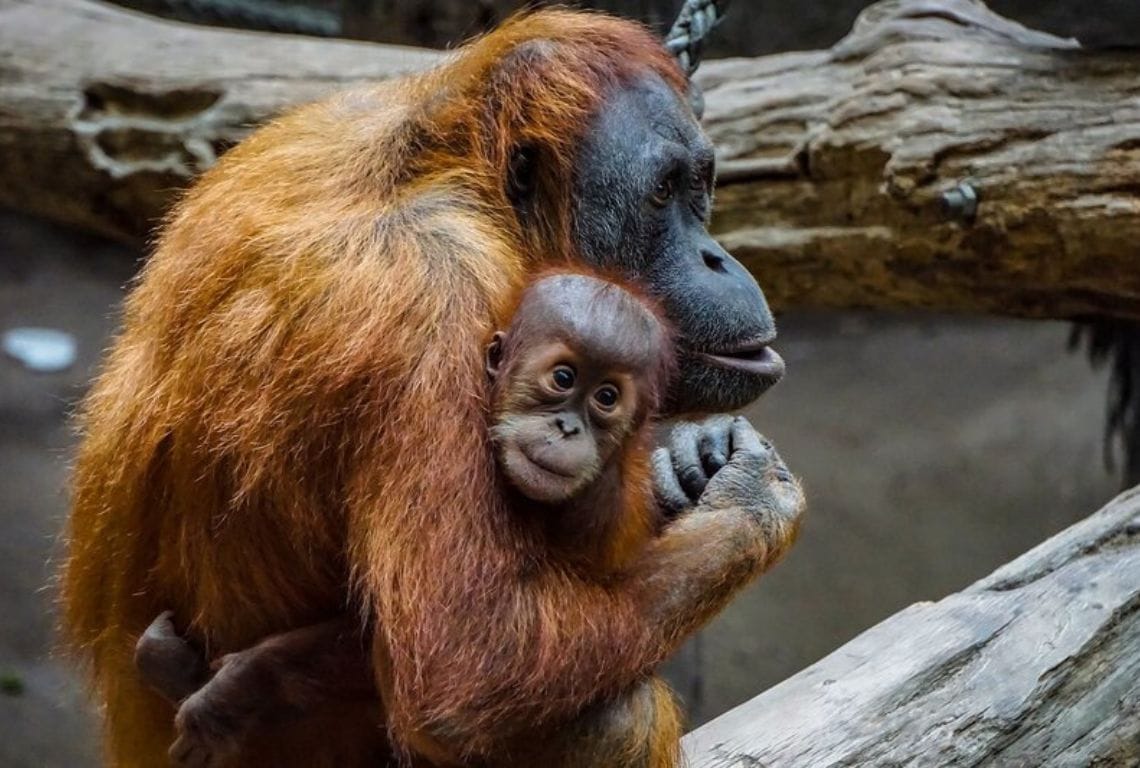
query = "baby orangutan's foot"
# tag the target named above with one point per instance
(167, 662)
(210, 723)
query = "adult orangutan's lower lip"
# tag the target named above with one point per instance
(758, 361)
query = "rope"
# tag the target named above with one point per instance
(686, 41)
(694, 23)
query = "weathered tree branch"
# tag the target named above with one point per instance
(1036, 665)
(833, 163)
(105, 113)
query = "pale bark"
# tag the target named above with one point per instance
(834, 164)
(1036, 665)
(105, 114)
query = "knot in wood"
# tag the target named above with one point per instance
(961, 202)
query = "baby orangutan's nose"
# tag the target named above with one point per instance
(568, 425)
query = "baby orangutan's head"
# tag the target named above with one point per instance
(580, 369)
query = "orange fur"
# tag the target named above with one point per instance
(291, 422)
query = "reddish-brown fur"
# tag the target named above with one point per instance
(291, 422)
(601, 532)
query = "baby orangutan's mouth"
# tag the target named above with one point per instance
(537, 477)
(545, 466)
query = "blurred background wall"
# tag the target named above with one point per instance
(757, 26)
(933, 448)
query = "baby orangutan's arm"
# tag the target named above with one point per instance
(283, 676)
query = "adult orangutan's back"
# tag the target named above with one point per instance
(290, 299)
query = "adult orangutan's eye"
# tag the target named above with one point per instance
(563, 377)
(663, 192)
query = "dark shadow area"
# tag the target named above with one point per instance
(755, 28)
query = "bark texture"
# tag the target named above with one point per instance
(1036, 665)
(834, 163)
(105, 113)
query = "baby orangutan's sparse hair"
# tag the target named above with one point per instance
(577, 373)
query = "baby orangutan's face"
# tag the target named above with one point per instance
(560, 420)
(570, 386)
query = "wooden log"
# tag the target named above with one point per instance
(834, 163)
(105, 113)
(1037, 664)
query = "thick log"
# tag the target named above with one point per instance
(1036, 665)
(105, 114)
(833, 163)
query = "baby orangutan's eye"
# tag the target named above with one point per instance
(607, 397)
(563, 377)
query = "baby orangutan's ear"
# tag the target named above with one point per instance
(495, 355)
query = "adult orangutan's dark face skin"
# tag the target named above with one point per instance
(643, 192)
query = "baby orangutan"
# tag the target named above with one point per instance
(574, 381)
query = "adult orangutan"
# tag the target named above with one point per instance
(292, 422)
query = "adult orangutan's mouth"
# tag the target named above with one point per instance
(755, 358)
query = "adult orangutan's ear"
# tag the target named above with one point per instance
(522, 175)
(495, 355)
